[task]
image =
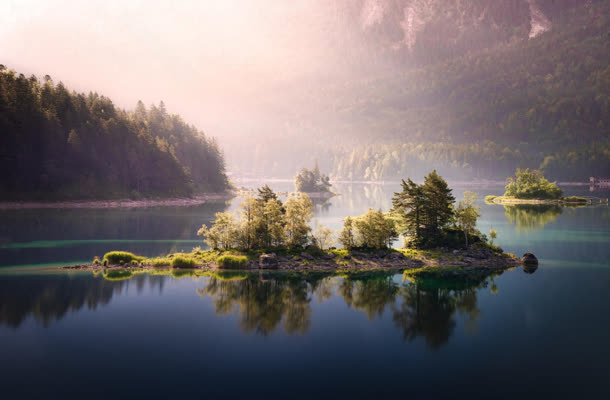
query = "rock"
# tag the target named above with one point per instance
(468, 259)
(328, 256)
(347, 257)
(267, 261)
(529, 260)
(307, 256)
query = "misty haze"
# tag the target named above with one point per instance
(304, 198)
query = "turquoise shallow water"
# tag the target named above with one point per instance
(70, 334)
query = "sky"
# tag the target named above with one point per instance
(202, 58)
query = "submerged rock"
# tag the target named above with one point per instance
(529, 269)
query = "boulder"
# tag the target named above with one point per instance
(307, 256)
(529, 260)
(267, 261)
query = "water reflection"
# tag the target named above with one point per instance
(531, 217)
(50, 297)
(263, 303)
(430, 312)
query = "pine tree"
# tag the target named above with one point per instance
(439, 207)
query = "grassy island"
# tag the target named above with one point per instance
(531, 187)
(439, 237)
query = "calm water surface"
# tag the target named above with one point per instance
(71, 334)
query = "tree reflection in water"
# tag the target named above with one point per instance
(425, 308)
(263, 302)
(429, 308)
(51, 297)
(530, 217)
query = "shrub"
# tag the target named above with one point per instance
(231, 261)
(575, 199)
(182, 262)
(105, 263)
(531, 184)
(96, 261)
(159, 261)
(120, 257)
(490, 198)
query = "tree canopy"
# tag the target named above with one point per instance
(531, 184)
(56, 143)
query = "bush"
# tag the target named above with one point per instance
(105, 263)
(96, 261)
(531, 184)
(121, 257)
(159, 261)
(231, 261)
(490, 198)
(575, 199)
(182, 262)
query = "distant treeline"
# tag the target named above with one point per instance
(467, 161)
(541, 103)
(55, 143)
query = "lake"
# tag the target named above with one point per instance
(74, 334)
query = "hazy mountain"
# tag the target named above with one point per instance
(524, 80)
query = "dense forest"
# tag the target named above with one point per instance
(490, 98)
(55, 144)
(542, 103)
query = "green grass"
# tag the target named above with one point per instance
(231, 261)
(574, 199)
(158, 261)
(183, 262)
(121, 257)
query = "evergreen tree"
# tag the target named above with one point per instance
(409, 206)
(439, 207)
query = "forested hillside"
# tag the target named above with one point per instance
(518, 97)
(56, 144)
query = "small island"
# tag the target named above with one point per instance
(313, 182)
(440, 238)
(531, 187)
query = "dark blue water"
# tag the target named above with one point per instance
(74, 335)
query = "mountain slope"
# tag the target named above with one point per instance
(520, 98)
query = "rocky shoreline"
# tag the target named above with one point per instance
(461, 261)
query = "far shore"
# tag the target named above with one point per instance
(117, 203)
